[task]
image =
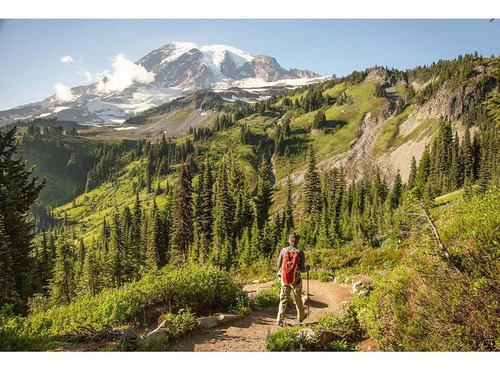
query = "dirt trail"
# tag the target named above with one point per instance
(249, 333)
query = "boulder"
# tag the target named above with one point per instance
(307, 335)
(208, 322)
(224, 318)
(129, 340)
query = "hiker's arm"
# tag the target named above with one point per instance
(302, 261)
(280, 258)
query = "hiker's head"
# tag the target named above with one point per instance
(294, 239)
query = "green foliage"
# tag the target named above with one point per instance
(343, 329)
(17, 335)
(425, 305)
(201, 289)
(180, 324)
(284, 339)
(266, 298)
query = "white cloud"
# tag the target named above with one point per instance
(125, 74)
(63, 93)
(88, 76)
(67, 59)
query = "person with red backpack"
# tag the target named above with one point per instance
(291, 262)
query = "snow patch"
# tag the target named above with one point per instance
(127, 128)
(59, 109)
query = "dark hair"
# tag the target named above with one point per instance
(294, 239)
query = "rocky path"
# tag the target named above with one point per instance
(249, 333)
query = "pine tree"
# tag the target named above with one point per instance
(7, 289)
(263, 198)
(136, 246)
(151, 237)
(116, 260)
(312, 185)
(183, 215)
(206, 218)
(413, 173)
(397, 191)
(288, 213)
(91, 272)
(18, 191)
(63, 284)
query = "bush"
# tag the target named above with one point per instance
(426, 305)
(200, 289)
(342, 327)
(181, 323)
(16, 334)
(284, 339)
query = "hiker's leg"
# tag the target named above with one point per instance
(284, 295)
(297, 290)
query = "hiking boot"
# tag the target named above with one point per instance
(280, 325)
(302, 319)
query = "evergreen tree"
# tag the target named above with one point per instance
(206, 218)
(288, 213)
(312, 185)
(18, 191)
(91, 272)
(263, 198)
(136, 246)
(183, 215)
(7, 288)
(319, 120)
(63, 284)
(397, 191)
(116, 260)
(413, 173)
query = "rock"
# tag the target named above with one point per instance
(208, 322)
(363, 293)
(255, 281)
(355, 286)
(307, 335)
(225, 318)
(129, 340)
(156, 335)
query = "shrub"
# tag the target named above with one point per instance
(200, 289)
(342, 327)
(181, 323)
(426, 305)
(16, 334)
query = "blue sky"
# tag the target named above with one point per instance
(31, 50)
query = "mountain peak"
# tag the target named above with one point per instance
(175, 69)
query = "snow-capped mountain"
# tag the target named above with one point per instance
(173, 70)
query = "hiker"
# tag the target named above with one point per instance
(291, 262)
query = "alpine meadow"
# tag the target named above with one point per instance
(150, 217)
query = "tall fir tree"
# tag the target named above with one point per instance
(264, 193)
(63, 281)
(18, 191)
(183, 214)
(116, 259)
(312, 185)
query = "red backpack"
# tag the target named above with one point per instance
(290, 267)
